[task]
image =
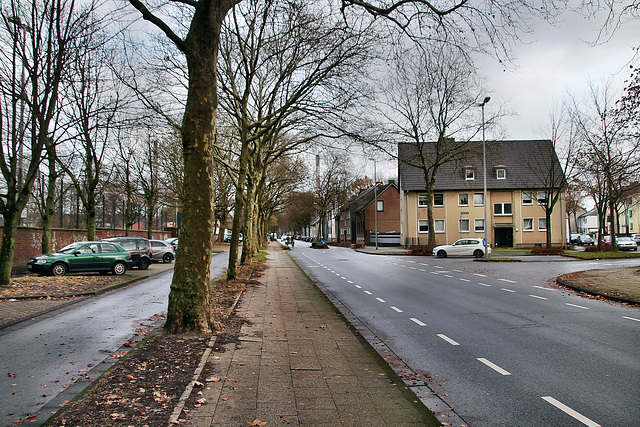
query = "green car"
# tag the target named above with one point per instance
(83, 256)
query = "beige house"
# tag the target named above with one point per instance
(519, 174)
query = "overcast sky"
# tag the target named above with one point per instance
(558, 60)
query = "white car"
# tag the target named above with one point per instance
(469, 246)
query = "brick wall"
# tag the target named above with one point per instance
(29, 240)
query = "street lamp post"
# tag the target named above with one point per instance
(375, 197)
(484, 176)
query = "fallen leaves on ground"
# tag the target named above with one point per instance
(34, 286)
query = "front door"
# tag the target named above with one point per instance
(504, 237)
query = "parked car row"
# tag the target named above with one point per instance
(114, 254)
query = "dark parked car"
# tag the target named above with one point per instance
(573, 238)
(162, 251)
(584, 240)
(83, 256)
(139, 247)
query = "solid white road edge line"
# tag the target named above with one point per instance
(564, 408)
(494, 366)
(447, 339)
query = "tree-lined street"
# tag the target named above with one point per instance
(503, 346)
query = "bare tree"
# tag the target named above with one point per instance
(277, 82)
(94, 101)
(610, 152)
(39, 33)
(429, 100)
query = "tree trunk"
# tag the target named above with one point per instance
(11, 218)
(189, 299)
(249, 241)
(91, 218)
(49, 209)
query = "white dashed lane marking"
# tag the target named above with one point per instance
(564, 408)
(484, 284)
(447, 339)
(507, 280)
(358, 286)
(394, 308)
(494, 366)
(576, 306)
(417, 322)
(631, 318)
(465, 280)
(367, 292)
(507, 290)
(380, 299)
(536, 296)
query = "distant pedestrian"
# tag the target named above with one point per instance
(293, 242)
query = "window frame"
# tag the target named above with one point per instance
(474, 199)
(460, 196)
(468, 222)
(502, 205)
(530, 202)
(545, 223)
(504, 173)
(524, 227)
(469, 174)
(475, 225)
(435, 205)
(422, 205)
(426, 230)
(435, 226)
(546, 198)
(380, 205)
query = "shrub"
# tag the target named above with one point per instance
(420, 251)
(547, 251)
(594, 248)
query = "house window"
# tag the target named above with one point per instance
(438, 225)
(423, 226)
(527, 224)
(527, 199)
(542, 197)
(438, 200)
(380, 205)
(422, 200)
(503, 209)
(501, 173)
(631, 227)
(469, 174)
(463, 199)
(464, 225)
(630, 213)
(542, 224)
(478, 199)
(478, 225)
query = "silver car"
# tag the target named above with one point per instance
(162, 251)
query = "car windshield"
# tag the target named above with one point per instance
(623, 239)
(70, 248)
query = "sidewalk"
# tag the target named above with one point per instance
(298, 363)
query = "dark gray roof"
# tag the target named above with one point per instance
(364, 199)
(527, 164)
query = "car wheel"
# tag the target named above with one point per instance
(143, 264)
(478, 253)
(119, 268)
(167, 257)
(58, 269)
(442, 254)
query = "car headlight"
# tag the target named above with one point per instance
(41, 261)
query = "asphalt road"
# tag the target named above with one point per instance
(41, 359)
(505, 348)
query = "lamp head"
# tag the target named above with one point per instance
(487, 99)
